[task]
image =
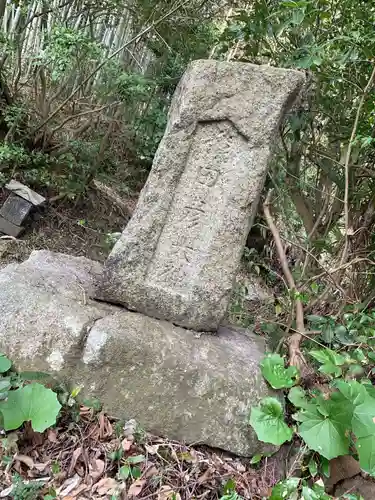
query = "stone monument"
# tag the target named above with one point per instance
(173, 268)
(179, 254)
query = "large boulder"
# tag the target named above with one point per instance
(177, 383)
(45, 311)
(189, 387)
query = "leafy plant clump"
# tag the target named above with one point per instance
(22, 402)
(336, 416)
(25, 491)
(332, 424)
(294, 488)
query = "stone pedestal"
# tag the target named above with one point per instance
(175, 383)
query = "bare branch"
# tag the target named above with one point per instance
(295, 355)
(78, 115)
(346, 166)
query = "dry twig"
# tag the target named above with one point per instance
(296, 357)
(127, 207)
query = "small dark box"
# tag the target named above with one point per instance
(15, 209)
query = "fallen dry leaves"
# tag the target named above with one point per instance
(81, 461)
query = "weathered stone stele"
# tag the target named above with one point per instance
(178, 255)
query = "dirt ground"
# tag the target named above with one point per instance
(84, 457)
(76, 227)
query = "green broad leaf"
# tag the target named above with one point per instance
(359, 356)
(5, 363)
(328, 334)
(116, 455)
(305, 62)
(315, 493)
(289, 3)
(287, 489)
(353, 391)
(39, 376)
(274, 371)
(297, 396)
(316, 320)
(267, 420)
(325, 466)
(294, 4)
(232, 496)
(317, 60)
(324, 426)
(256, 459)
(366, 453)
(5, 384)
(138, 459)
(93, 403)
(136, 472)
(343, 336)
(370, 389)
(33, 403)
(229, 486)
(124, 472)
(355, 370)
(313, 467)
(327, 356)
(330, 369)
(298, 16)
(363, 422)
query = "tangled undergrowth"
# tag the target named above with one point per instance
(332, 412)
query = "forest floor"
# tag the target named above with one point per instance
(78, 228)
(91, 456)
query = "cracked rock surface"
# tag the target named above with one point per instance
(191, 387)
(44, 310)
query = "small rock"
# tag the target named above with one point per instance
(359, 485)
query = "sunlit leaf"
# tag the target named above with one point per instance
(297, 396)
(5, 363)
(327, 356)
(286, 489)
(324, 425)
(34, 403)
(274, 371)
(267, 420)
(363, 425)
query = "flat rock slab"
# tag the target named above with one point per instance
(10, 229)
(15, 209)
(178, 256)
(175, 383)
(194, 388)
(25, 192)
